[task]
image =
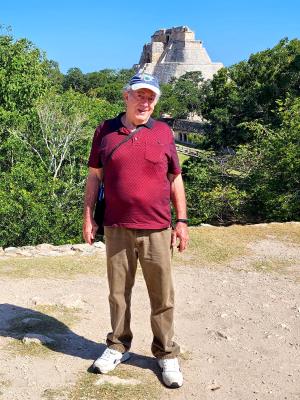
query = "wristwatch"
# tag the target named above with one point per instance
(184, 220)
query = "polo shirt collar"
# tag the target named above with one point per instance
(120, 127)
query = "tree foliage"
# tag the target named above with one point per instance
(253, 110)
(46, 135)
(106, 84)
(183, 96)
(250, 90)
(23, 74)
(274, 176)
(248, 169)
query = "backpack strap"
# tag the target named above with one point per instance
(131, 134)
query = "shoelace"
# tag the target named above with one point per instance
(170, 365)
(107, 354)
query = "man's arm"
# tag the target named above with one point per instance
(179, 201)
(93, 181)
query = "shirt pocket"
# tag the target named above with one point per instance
(154, 152)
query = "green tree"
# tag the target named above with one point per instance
(106, 84)
(55, 76)
(23, 75)
(23, 79)
(250, 90)
(273, 168)
(183, 96)
(212, 191)
(76, 80)
(41, 192)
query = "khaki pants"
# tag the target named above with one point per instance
(152, 247)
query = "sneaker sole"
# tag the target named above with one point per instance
(174, 385)
(124, 358)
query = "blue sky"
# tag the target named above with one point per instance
(95, 34)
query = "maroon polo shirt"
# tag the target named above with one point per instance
(137, 190)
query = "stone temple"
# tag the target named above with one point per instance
(173, 52)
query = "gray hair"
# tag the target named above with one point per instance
(127, 88)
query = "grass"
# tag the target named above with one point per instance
(68, 315)
(182, 158)
(216, 246)
(54, 394)
(209, 246)
(87, 389)
(289, 232)
(52, 267)
(213, 246)
(271, 264)
(288, 267)
(16, 347)
(53, 320)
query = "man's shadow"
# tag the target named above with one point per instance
(17, 322)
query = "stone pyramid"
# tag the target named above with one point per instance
(173, 52)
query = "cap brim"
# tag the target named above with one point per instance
(137, 86)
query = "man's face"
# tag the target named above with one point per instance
(139, 105)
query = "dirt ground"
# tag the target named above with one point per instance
(237, 320)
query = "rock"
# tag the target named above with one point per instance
(87, 248)
(222, 335)
(49, 250)
(81, 247)
(64, 248)
(47, 253)
(37, 339)
(114, 380)
(219, 334)
(24, 253)
(10, 250)
(99, 245)
(45, 246)
(285, 326)
(28, 248)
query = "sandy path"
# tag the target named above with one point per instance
(239, 330)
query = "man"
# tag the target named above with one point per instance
(140, 178)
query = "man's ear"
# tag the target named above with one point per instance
(125, 97)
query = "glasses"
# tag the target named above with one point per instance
(143, 97)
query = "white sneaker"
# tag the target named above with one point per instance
(171, 373)
(109, 360)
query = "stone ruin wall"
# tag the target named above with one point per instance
(173, 52)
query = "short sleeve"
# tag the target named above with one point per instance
(174, 165)
(95, 157)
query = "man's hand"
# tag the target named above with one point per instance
(180, 232)
(90, 227)
(89, 230)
